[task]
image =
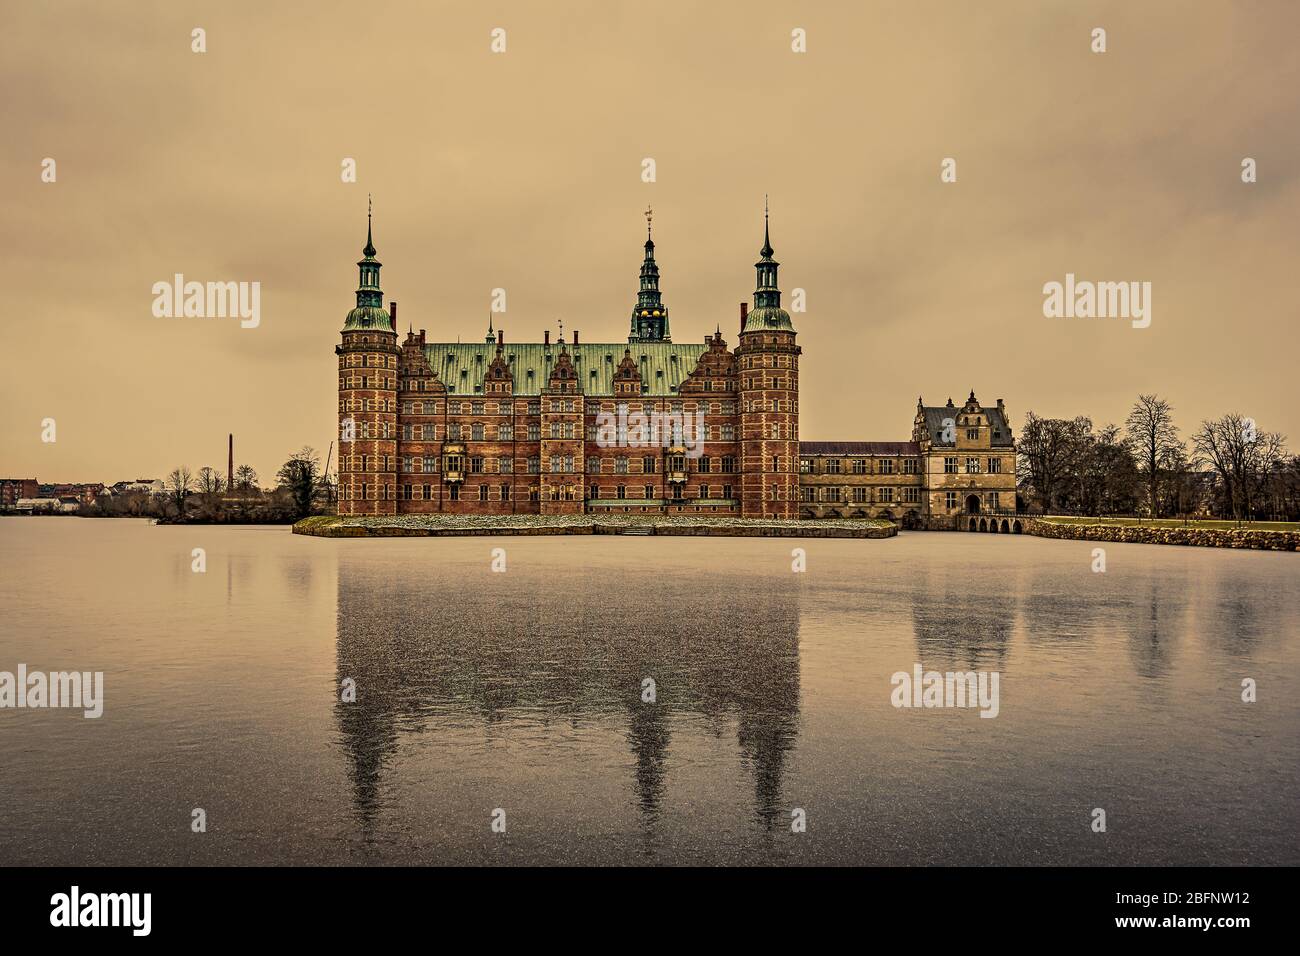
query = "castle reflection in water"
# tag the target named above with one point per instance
(720, 652)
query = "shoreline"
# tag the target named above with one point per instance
(1251, 539)
(429, 526)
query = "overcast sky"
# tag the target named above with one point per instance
(522, 170)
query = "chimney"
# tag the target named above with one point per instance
(501, 337)
(744, 315)
(392, 314)
(575, 336)
(1000, 405)
(546, 337)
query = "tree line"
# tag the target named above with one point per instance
(1229, 469)
(301, 489)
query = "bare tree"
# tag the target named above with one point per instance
(1153, 437)
(179, 486)
(245, 478)
(210, 481)
(300, 476)
(1049, 449)
(1241, 456)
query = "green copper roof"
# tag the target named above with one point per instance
(769, 318)
(368, 317)
(461, 366)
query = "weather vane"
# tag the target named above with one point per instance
(649, 216)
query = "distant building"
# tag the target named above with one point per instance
(30, 505)
(151, 485)
(11, 489)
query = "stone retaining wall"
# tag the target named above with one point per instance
(1155, 534)
(376, 528)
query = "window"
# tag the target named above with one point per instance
(506, 432)
(911, 466)
(428, 492)
(704, 465)
(430, 464)
(505, 492)
(406, 492)
(476, 408)
(476, 431)
(408, 463)
(912, 495)
(505, 465)
(887, 494)
(972, 434)
(534, 431)
(648, 466)
(832, 466)
(995, 466)
(859, 494)
(805, 466)
(482, 492)
(620, 466)
(859, 466)
(622, 491)
(649, 491)
(776, 463)
(806, 493)
(476, 466)
(534, 466)
(728, 464)
(832, 494)
(950, 466)
(726, 491)
(453, 431)
(950, 500)
(728, 432)
(455, 492)
(991, 499)
(704, 491)
(972, 466)
(593, 466)
(426, 432)
(886, 466)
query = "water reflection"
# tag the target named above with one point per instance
(445, 654)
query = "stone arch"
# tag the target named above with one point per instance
(984, 523)
(1005, 528)
(974, 524)
(993, 526)
(972, 504)
(1016, 528)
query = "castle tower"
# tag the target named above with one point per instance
(768, 361)
(368, 398)
(649, 315)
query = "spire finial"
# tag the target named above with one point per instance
(649, 217)
(766, 251)
(369, 250)
(561, 331)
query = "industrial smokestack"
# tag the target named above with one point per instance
(230, 463)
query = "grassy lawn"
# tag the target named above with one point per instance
(1179, 523)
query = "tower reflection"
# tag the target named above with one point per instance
(577, 647)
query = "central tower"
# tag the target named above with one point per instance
(649, 315)
(768, 361)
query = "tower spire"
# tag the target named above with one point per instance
(649, 315)
(766, 251)
(369, 250)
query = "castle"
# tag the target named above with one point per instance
(645, 426)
